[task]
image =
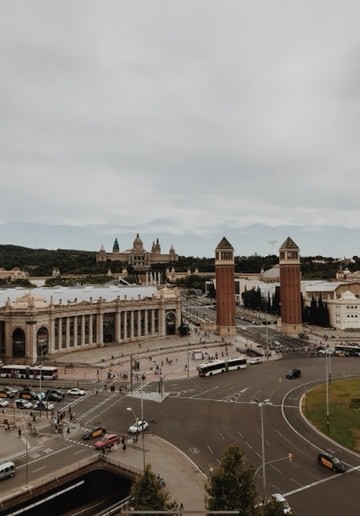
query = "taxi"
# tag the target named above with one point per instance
(95, 431)
(330, 461)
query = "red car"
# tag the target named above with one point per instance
(107, 441)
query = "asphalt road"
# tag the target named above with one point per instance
(202, 415)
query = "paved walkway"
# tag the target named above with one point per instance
(169, 356)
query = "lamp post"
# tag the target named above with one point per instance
(327, 391)
(263, 462)
(142, 426)
(27, 446)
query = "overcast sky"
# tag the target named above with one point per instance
(190, 119)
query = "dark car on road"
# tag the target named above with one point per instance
(293, 373)
(54, 395)
(95, 431)
(329, 460)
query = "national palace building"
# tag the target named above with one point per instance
(47, 321)
(137, 256)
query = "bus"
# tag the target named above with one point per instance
(28, 372)
(222, 366)
(348, 350)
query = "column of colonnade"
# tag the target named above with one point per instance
(75, 326)
(76, 331)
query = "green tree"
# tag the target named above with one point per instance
(148, 494)
(230, 485)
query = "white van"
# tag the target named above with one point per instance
(7, 469)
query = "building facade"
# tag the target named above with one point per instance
(137, 256)
(225, 289)
(13, 274)
(62, 320)
(290, 290)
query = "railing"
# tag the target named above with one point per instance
(63, 472)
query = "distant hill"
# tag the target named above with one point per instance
(41, 262)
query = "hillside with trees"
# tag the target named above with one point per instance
(42, 262)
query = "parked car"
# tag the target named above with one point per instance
(293, 373)
(3, 403)
(280, 499)
(54, 395)
(75, 391)
(44, 405)
(108, 441)
(11, 391)
(95, 431)
(138, 427)
(28, 394)
(329, 460)
(22, 404)
(255, 361)
(4, 393)
(326, 351)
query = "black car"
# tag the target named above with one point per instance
(95, 431)
(329, 460)
(54, 395)
(293, 373)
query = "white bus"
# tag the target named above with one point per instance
(348, 350)
(28, 372)
(222, 366)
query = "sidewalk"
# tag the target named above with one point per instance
(183, 480)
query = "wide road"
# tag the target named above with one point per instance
(203, 415)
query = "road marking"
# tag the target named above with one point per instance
(194, 450)
(210, 450)
(80, 451)
(39, 469)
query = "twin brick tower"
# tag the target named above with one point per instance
(290, 291)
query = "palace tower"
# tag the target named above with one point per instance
(225, 289)
(290, 291)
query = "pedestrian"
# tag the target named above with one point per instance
(19, 432)
(124, 446)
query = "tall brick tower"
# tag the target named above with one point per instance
(290, 291)
(225, 289)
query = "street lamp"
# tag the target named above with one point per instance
(327, 355)
(142, 426)
(263, 464)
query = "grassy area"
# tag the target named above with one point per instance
(344, 411)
